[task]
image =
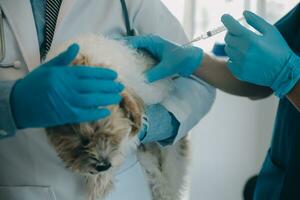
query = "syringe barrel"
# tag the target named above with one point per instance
(217, 30)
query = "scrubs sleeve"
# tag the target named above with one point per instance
(192, 97)
(289, 27)
(7, 124)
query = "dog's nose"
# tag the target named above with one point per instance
(103, 166)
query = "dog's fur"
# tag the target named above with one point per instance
(96, 149)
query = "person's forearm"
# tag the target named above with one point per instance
(294, 96)
(216, 73)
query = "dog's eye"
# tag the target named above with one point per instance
(77, 151)
(97, 129)
(85, 141)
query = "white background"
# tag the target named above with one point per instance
(230, 143)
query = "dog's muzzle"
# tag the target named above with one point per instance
(103, 166)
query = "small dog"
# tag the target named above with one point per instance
(96, 150)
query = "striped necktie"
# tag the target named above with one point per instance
(51, 14)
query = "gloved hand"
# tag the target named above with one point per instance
(173, 59)
(56, 94)
(159, 125)
(263, 59)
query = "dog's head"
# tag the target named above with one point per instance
(91, 148)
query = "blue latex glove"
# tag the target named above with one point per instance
(173, 59)
(159, 125)
(56, 94)
(263, 59)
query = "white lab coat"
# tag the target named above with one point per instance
(29, 167)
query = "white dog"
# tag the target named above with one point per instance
(83, 146)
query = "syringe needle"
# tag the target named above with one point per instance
(210, 33)
(192, 41)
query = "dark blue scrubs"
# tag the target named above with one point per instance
(280, 175)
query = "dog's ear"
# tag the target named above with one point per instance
(133, 108)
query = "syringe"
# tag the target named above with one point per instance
(210, 33)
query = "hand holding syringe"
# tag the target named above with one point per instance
(204, 36)
(210, 33)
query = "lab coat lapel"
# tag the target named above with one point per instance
(65, 8)
(20, 18)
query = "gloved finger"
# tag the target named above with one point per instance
(233, 54)
(89, 115)
(137, 42)
(147, 43)
(157, 73)
(233, 26)
(64, 58)
(97, 85)
(86, 72)
(232, 40)
(257, 22)
(95, 100)
(235, 69)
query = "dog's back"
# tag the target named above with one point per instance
(128, 63)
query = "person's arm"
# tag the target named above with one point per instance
(265, 59)
(216, 73)
(191, 99)
(294, 96)
(175, 59)
(61, 97)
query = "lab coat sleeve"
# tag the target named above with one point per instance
(192, 98)
(7, 124)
